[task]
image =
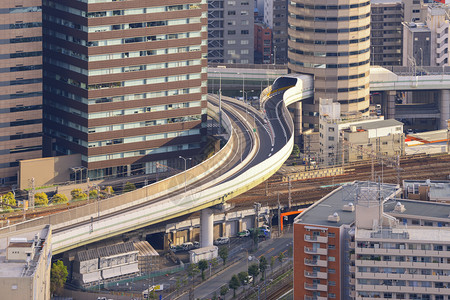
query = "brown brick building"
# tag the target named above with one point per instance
(125, 82)
(20, 85)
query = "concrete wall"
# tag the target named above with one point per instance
(47, 171)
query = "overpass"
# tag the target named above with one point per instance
(272, 138)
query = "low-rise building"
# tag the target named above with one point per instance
(25, 262)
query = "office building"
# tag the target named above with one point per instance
(125, 83)
(263, 44)
(361, 241)
(21, 88)
(331, 40)
(25, 262)
(275, 16)
(231, 31)
(386, 33)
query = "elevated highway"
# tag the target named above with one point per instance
(236, 168)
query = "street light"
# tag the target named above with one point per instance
(421, 59)
(220, 98)
(185, 160)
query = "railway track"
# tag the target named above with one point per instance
(305, 192)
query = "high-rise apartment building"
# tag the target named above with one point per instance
(263, 44)
(386, 33)
(361, 242)
(21, 85)
(231, 31)
(426, 44)
(275, 16)
(331, 40)
(125, 82)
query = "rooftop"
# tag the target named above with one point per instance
(318, 213)
(421, 209)
(378, 124)
(20, 269)
(412, 234)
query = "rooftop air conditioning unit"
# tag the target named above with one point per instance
(334, 218)
(399, 207)
(348, 207)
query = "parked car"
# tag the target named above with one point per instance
(243, 233)
(222, 240)
(196, 244)
(187, 246)
(249, 279)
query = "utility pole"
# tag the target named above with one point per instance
(279, 216)
(32, 193)
(267, 188)
(289, 197)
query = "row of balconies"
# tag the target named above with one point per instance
(403, 276)
(402, 252)
(401, 264)
(402, 289)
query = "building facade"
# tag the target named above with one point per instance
(231, 31)
(125, 82)
(21, 88)
(25, 264)
(386, 33)
(426, 43)
(263, 44)
(331, 40)
(275, 16)
(389, 248)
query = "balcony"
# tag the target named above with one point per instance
(315, 298)
(321, 275)
(316, 287)
(316, 262)
(316, 239)
(321, 251)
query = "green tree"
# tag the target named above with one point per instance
(234, 284)
(272, 262)
(129, 187)
(41, 199)
(223, 253)
(253, 270)
(109, 191)
(295, 151)
(214, 262)
(243, 276)
(77, 194)
(192, 271)
(263, 265)
(290, 251)
(280, 258)
(223, 290)
(203, 265)
(60, 198)
(93, 194)
(9, 199)
(58, 277)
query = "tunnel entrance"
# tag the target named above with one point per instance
(156, 240)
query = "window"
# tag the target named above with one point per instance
(331, 235)
(244, 13)
(415, 222)
(231, 52)
(331, 295)
(244, 42)
(244, 51)
(331, 247)
(332, 283)
(232, 13)
(331, 258)
(231, 42)
(332, 271)
(244, 31)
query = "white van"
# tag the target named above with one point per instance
(187, 246)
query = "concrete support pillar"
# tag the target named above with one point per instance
(191, 234)
(240, 225)
(224, 228)
(207, 228)
(390, 110)
(297, 106)
(128, 170)
(444, 108)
